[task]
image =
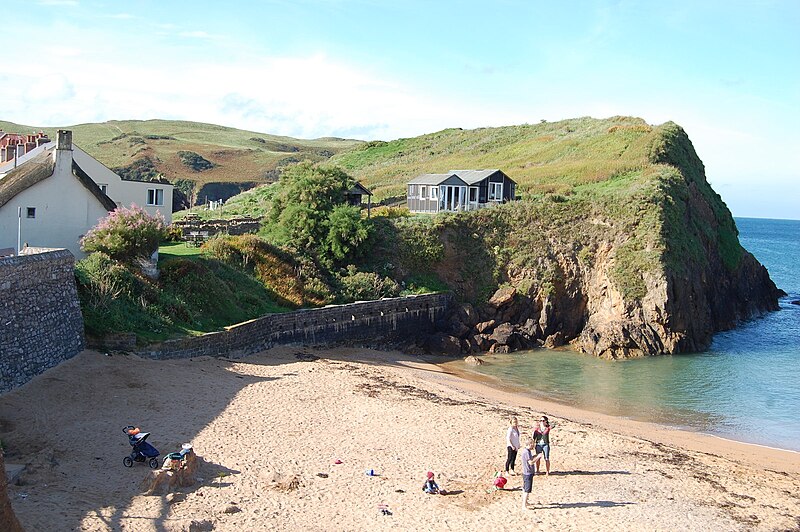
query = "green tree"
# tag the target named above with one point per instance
(346, 231)
(308, 212)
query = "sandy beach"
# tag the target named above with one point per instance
(271, 427)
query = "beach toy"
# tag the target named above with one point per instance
(370, 472)
(500, 482)
(337, 462)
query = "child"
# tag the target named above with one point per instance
(431, 487)
(499, 481)
(528, 462)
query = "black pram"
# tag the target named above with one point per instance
(142, 451)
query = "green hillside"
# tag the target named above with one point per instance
(541, 158)
(237, 159)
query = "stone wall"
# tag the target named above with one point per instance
(363, 322)
(233, 226)
(40, 317)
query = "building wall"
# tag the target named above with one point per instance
(40, 316)
(125, 193)
(65, 211)
(384, 320)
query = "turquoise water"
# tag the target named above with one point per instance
(745, 387)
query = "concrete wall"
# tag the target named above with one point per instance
(125, 193)
(369, 321)
(65, 211)
(40, 317)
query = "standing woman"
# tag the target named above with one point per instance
(542, 437)
(512, 445)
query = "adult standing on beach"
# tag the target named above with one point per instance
(512, 444)
(541, 435)
(528, 469)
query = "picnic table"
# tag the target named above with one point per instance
(196, 238)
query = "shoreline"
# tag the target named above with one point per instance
(285, 438)
(773, 458)
(516, 390)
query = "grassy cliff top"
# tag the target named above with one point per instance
(550, 157)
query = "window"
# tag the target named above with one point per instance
(155, 196)
(434, 193)
(495, 191)
(31, 212)
(103, 188)
(473, 194)
(423, 192)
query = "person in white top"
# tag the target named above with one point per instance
(512, 445)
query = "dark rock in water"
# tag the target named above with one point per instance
(500, 349)
(796, 302)
(443, 344)
(502, 297)
(554, 340)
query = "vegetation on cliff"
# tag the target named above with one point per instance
(618, 244)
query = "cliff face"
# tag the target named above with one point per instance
(647, 262)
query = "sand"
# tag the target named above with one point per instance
(270, 428)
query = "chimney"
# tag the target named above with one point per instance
(63, 154)
(64, 140)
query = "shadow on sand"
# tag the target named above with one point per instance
(595, 504)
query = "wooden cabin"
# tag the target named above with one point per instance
(459, 190)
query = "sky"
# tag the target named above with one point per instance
(727, 71)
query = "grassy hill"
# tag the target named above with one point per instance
(541, 158)
(235, 159)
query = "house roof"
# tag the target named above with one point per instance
(474, 176)
(358, 188)
(430, 179)
(40, 168)
(469, 177)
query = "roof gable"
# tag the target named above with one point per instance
(437, 179)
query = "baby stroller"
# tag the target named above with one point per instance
(142, 451)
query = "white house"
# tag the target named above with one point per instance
(58, 192)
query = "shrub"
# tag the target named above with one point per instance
(366, 286)
(126, 234)
(346, 232)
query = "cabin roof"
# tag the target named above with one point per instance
(430, 179)
(357, 189)
(469, 177)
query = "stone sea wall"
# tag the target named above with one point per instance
(374, 322)
(40, 317)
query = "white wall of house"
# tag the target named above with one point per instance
(126, 193)
(64, 210)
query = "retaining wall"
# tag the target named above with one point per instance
(369, 321)
(40, 317)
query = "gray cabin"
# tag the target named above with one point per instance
(459, 190)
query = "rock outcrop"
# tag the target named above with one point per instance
(658, 272)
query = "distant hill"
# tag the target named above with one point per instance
(203, 160)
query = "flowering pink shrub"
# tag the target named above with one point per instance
(126, 234)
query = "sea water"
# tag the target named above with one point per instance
(745, 387)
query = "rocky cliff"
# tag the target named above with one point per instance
(644, 262)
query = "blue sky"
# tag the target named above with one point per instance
(727, 71)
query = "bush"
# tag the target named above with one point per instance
(365, 286)
(126, 234)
